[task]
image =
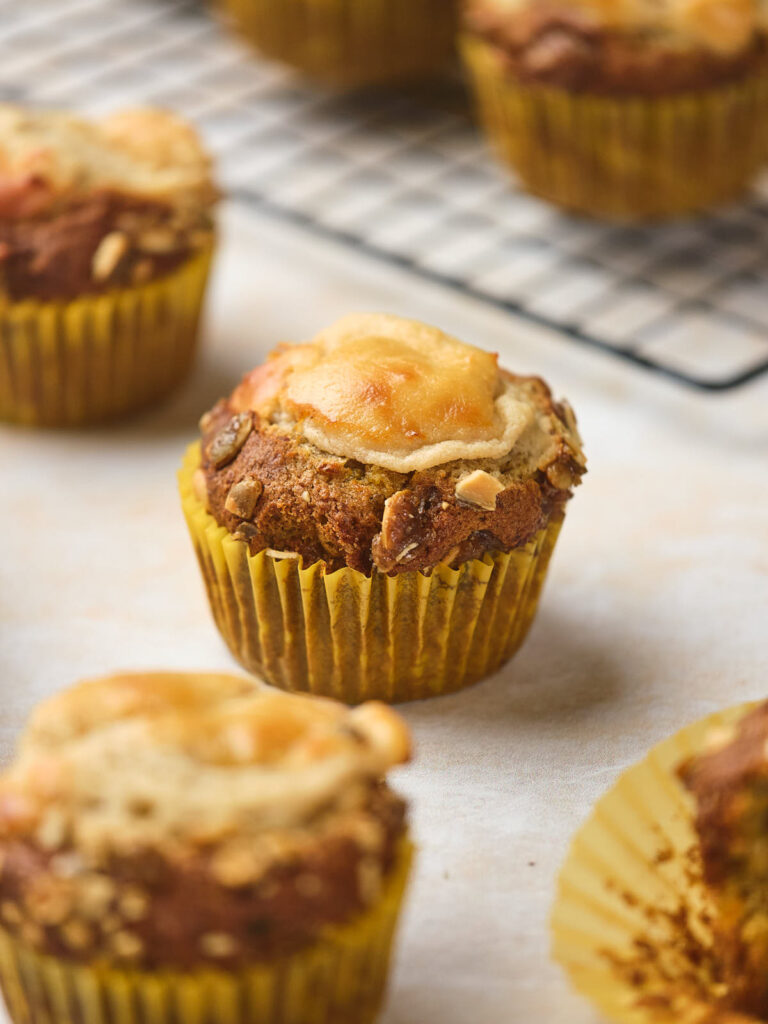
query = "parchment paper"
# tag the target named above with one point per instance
(654, 614)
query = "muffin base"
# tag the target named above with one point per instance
(623, 158)
(355, 637)
(633, 925)
(349, 43)
(339, 980)
(100, 357)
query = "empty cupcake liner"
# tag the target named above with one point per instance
(99, 357)
(357, 637)
(341, 979)
(624, 158)
(350, 43)
(632, 923)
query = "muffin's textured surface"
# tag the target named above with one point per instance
(89, 206)
(632, 46)
(179, 821)
(386, 444)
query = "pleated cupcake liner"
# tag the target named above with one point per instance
(349, 43)
(623, 158)
(633, 925)
(341, 979)
(99, 357)
(357, 637)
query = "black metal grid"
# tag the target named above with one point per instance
(406, 177)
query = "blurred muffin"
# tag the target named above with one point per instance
(374, 511)
(351, 43)
(729, 782)
(106, 235)
(628, 110)
(660, 911)
(182, 847)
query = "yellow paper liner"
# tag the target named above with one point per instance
(341, 979)
(348, 43)
(632, 921)
(623, 158)
(354, 637)
(99, 357)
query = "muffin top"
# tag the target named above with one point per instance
(137, 760)
(634, 45)
(169, 819)
(50, 158)
(384, 442)
(392, 393)
(86, 206)
(729, 782)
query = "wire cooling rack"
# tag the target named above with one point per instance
(407, 178)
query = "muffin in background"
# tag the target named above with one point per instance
(106, 236)
(198, 847)
(352, 43)
(374, 511)
(729, 783)
(629, 111)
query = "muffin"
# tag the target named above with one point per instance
(106, 235)
(627, 110)
(186, 847)
(351, 43)
(374, 511)
(729, 783)
(661, 914)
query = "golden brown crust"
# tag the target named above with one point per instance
(280, 492)
(213, 755)
(624, 47)
(49, 159)
(389, 392)
(173, 819)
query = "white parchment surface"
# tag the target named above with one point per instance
(654, 612)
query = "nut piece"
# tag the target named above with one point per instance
(228, 442)
(242, 497)
(479, 488)
(158, 241)
(218, 944)
(133, 903)
(76, 934)
(233, 865)
(406, 551)
(96, 893)
(126, 945)
(110, 251)
(560, 476)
